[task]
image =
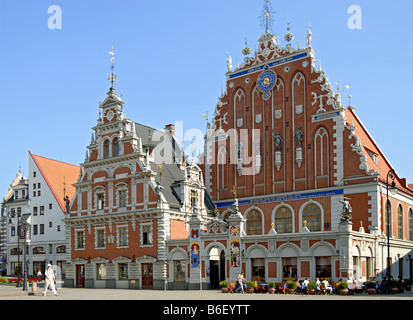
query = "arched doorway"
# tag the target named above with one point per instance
(216, 267)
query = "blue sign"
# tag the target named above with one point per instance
(290, 197)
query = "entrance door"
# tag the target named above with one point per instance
(80, 276)
(147, 275)
(214, 274)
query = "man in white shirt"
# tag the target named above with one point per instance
(49, 278)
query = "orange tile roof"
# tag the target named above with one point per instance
(59, 177)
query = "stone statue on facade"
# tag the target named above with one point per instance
(278, 141)
(298, 137)
(347, 210)
(67, 201)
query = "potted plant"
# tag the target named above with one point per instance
(370, 287)
(342, 287)
(407, 284)
(250, 286)
(271, 287)
(393, 286)
(224, 286)
(291, 286)
(312, 286)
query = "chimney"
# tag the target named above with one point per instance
(170, 128)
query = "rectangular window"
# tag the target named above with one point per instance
(34, 186)
(100, 238)
(289, 269)
(194, 196)
(258, 269)
(323, 267)
(16, 195)
(35, 229)
(123, 237)
(42, 210)
(38, 193)
(123, 271)
(101, 271)
(101, 201)
(122, 198)
(23, 193)
(80, 239)
(179, 270)
(147, 236)
(50, 224)
(42, 229)
(35, 211)
(19, 211)
(50, 206)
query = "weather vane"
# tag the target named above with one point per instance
(288, 36)
(266, 16)
(111, 77)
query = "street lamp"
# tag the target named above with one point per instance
(390, 175)
(10, 215)
(24, 222)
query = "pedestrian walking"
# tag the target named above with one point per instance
(49, 280)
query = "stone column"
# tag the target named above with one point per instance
(236, 229)
(195, 249)
(345, 243)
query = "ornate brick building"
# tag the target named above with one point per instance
(136, 191)
(295, 158)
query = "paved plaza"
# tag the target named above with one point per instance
(11, 292)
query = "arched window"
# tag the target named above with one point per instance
(254, 223)
(400, 221)
(321, 157)
(312, 214)
(222, 164)
(115, 147)
(284, 220)
(61, 249)
(388, 219)
(106, 149)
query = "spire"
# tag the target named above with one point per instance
(266, 17)
(112, 77)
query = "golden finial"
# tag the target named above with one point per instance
(305, 223)
(233, 190)
(216, 211)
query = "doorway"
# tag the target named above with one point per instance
(216, 267)
(147, 275)
(80, 276)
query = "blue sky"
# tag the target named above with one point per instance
(170, 58)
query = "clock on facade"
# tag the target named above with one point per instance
(266, 82)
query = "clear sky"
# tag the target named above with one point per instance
(170, 58)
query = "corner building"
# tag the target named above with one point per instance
(282, 146)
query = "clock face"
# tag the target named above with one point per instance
(266, 82)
